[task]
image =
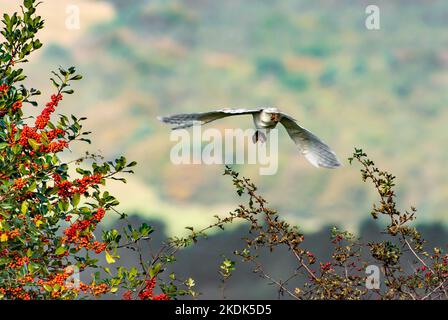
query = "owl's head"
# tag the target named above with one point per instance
(270, 115)
(271, 110)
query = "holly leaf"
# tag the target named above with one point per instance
(109, 258)
(33, 143)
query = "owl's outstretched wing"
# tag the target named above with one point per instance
(189, 119)
(314, 150)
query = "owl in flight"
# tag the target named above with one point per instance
(314, 150)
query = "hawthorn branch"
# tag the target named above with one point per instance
(416, 255)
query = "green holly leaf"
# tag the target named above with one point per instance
(109, 258)
(33, 143)
(60, 250)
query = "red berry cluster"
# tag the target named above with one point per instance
(45, 139)
(8, 235)
(67, 189)
(17, 292)
(4, 89)
(17, 105)
(19, 183)
(147, 293)
(44, 117)
(325, 266)
(80, 233)
(95, 289)
(51, 146)
(28, 133)
(55, 146)
(58, 282)
(18, 262)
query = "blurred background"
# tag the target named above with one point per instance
(381, 90)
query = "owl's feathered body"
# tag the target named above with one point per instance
(314, 150)
(266, 118)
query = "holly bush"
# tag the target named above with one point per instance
(47, 215)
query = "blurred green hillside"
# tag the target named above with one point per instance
(384, 91)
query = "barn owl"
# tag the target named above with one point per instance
(314, 150)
